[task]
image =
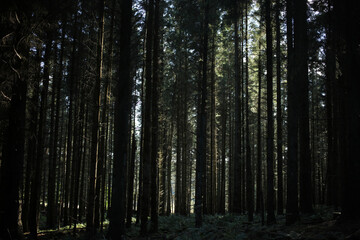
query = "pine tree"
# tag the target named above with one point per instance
(121, 127)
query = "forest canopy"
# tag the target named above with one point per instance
(137, 114)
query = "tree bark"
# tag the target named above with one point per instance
(347, 20)
(148, 121)
(279, 123)
(292, 211)
(121, 126)
(36, 182)
(237, 127)
(270, 121)
(13, 149)
(70, 123)
(131, 173)
(301, 79)
(155, 121)
(249, 170)
(201, 125)
(95, 101)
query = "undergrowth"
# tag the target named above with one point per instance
(317, 226)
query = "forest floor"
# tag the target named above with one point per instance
(320, 226)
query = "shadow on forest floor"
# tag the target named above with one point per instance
(319, 226)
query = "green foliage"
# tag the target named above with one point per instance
(317, 226)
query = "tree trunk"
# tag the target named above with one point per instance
(155, 120)
(224, 115)
(348, 19)
(78, 130)
(201, 125)
(52, 167)
(168, 185)
(292, 211)
(249, 170)
(237, 138)
(148, 123)
(280, 199)
(259, 180)
(70, 123)
(331, 176)
(162, 175)
(83, 172)
(178, 151)
(13, 149)
(270, 120)
(35, 187)
(131, 173)
(93, 181)
(31, 143)
(213, 145)
(301, 79)
(121, 126)
(52, 203)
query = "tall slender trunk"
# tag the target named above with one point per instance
(213, 146)
(90, 218)
(50, 221)
(348, 19)
(168, 175)
(201, 125)
(259, 168)
(76, 159)
(301, 79)
(162, 176)
(249, 170)
(292, 210)
(82, 199)
(13, 149)
(36, 182)
(131, 173)
(178, 151)
(231, 156)
(148, 120)
(331, 174)
(70, 122)
(242, 116)
(155, 120)
(142, 130)
(121, 126)
(280, 198)
(31, 145)
(270, 119)
(78, 130)
(237, 127)
(259, 185)
(184, 138)
(224, 116)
